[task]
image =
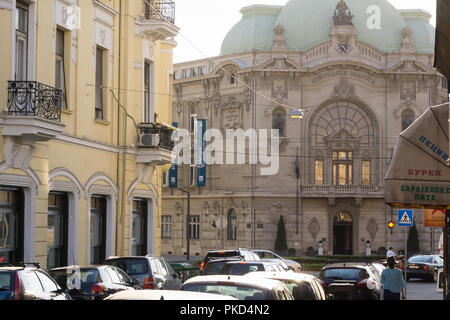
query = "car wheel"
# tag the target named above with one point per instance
(434, 278)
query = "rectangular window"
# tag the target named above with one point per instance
(99, 82)
(57, 229)
(139, 228)
(192, 174)
(166, 227)
(342, 168)
(193, 72)
(60, 73)
(185, 73)
(194, 227)
(366, 173)
(201, 71)
(21, 42)
(11, 225)
(148, 105)
(98, 229)
(318, 172)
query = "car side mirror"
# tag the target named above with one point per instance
(134, 281)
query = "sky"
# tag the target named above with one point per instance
(204, 23)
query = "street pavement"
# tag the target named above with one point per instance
(418, 289)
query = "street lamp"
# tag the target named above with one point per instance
(297, 114)
(188, 225)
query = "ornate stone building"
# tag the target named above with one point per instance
(361, 77)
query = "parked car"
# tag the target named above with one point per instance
(166, 295)
(223, 256)
(151, 272)
(92, 282)
(240, 287)
(267, 254)
(28, 282)
(302, 286)
(424, 267)
(351, 280)
(243, 267)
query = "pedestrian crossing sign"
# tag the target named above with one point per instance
(405, 218)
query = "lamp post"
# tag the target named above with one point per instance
(188, 225)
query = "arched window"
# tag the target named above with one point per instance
(279, 121)
(408, 117)
(232, 225)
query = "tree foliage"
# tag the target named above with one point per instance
(281, 242)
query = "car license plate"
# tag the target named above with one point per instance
(413, 267)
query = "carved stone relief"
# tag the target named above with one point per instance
(279, 89)
(372, 228)
(278, 30)
(344, 89)
(314, 228)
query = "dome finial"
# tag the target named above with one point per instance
(342, 15)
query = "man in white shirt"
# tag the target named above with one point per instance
(390, 253)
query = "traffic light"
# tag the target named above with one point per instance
(391, 225)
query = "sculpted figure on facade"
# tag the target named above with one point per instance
(342, 15)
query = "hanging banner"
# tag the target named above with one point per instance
(419, 176)
(201, 156)
(434, 218)
(173, 172)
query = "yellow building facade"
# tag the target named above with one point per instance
(85, 88)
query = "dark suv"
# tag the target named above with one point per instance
(28, 282)
(216, 259)
(150, 272)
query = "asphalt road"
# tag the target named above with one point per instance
(418, 289)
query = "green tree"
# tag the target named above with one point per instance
(413, 241)
(281, 242)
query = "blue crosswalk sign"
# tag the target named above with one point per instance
(405, 217)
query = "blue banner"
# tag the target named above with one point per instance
(173, 172)
(201, 156)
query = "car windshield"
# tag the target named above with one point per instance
(241, 268)
(6, 281)
(70, 278)
(423, 259)
(240, 292)
(214, 267)
(342, 273)
(130, 266)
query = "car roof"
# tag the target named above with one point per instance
(13, 268)
(348, 264)
(249, 262)
(166, 295)
(234, 279)
(292, 276)
(82, 267)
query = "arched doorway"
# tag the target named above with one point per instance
(343, 233)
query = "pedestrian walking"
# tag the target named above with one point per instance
(393, 281)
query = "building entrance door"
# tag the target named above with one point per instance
(343, 233)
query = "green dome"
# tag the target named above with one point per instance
(423, 32)
(253, 32)
(308, 23)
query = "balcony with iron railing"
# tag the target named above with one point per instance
(33, 111)
(341, 190)
(155, 144)
(157, 20)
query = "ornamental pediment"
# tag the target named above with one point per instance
(280, 64)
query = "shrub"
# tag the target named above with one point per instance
(280, 241)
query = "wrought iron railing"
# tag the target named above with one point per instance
(163, 134)
(159, 10)
(327, 189)
(33, 98)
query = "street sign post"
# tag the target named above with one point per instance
(406, 219)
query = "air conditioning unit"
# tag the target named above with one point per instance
(149, 140)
